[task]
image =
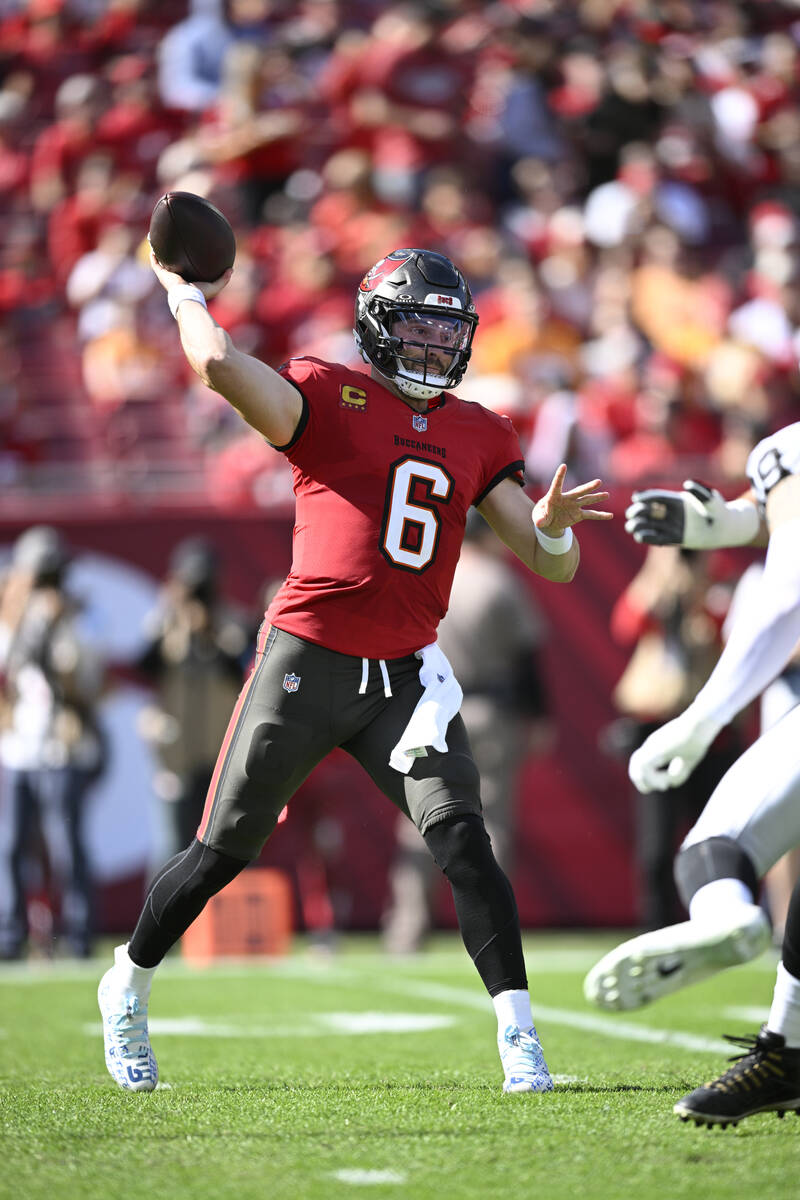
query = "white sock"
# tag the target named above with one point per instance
(717, 901)
(133, 979)
(513, 1008)
(784, 1016)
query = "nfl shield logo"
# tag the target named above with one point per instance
(419, 422)
(291, 683)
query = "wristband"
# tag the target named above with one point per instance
(554, 545)
(184, 291)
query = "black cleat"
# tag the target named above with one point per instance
(765, 1078)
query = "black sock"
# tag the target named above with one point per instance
(485, 904)
(177, 895)
(791, 935)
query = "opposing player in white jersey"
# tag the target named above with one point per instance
(753, 816)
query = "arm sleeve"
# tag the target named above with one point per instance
(759, 648)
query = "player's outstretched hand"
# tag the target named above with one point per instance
(670, 754)
(558, 510)
(689, 518)
(169, 279)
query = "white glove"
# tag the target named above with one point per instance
(668, 757)
(698, 518)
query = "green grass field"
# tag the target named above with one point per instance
(362, 1075)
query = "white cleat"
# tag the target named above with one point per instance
(655, 964)
(523, 1061)
(129, 1055)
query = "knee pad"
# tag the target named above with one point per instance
(715, 858)
(460, 844)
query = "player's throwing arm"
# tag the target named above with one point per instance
(191, 236)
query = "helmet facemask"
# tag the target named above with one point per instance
(429, 350)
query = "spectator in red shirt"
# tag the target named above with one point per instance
(76, 222)
(402, 96)
(61, 147)
(135, 128)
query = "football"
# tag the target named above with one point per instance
(190, 236)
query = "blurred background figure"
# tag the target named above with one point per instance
(191, 55)
(491, 635)
(672, 614)
(195, 659)
(51, 749)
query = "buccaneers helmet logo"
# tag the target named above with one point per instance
(386, 266)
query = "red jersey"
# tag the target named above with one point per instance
(382, 497)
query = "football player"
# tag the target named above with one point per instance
(385, 468)
(753, 816)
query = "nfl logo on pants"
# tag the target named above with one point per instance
(291, 683)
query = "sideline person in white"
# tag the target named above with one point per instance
(753, 816)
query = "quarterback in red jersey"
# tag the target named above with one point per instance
(372, 473)
(385, 469)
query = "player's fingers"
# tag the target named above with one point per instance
(648, 535)
(654, 774)
(596, 514)
(637, 509)
(210, 290)
(700, 491)
(643, 531)
(558, 479)
(583, 488)
(678, 772)
(650, 494)
(591, 498)
(639, 776)
(165, 277)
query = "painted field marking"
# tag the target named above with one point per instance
(747, 1012)
(309, 1026)
(383, 1022)
(360, 1177)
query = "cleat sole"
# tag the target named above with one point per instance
(655, 964)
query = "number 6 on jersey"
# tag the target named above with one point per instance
(410, 531)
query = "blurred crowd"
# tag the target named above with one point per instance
(619, 181)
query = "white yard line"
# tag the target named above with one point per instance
(754, 1013)
(358, 1177)
(307, 1025)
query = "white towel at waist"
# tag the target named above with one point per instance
(435, 709)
